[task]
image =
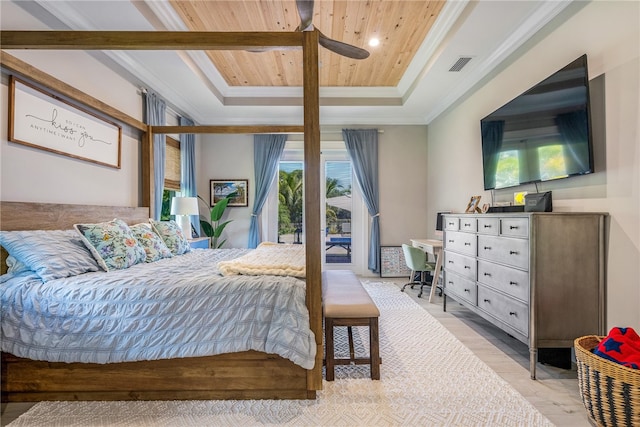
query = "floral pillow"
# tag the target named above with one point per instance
(152, 243)
(112, 244)
(172, 236)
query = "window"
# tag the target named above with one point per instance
(172, 171)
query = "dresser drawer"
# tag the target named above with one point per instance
(461, 288)
(465, 243)
(505, 309)
(463, 265)
(489, 226)
(504, 250)
(514, 227)
(468, 224)
(508, 280)
(451, 223)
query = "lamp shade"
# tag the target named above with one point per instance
(184, 206)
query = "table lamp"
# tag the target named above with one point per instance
(183, 208)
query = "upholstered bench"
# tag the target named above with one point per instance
(347, 303)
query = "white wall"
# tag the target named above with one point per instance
(30, 174)
(228, 157)
(608, 32)
(403, 179)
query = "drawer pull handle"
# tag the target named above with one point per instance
(487, 248)
(487, 301)
(513, 252)
(450, 282)
(513, 283)
(513, 313)
(487, 274)
(487, 226)
(467, 244)
(450, 262)
(451, 241)
(467, 290)
(467, 225)
(452, 223)
(513, 227)
(467, 267)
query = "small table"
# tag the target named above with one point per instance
(433, 247)
(343, 242)
(199, 243)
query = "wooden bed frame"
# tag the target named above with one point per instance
(246, 375)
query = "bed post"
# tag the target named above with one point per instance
(312, 197)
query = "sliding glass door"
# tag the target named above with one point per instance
(341, 206)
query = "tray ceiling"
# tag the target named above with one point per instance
(406, 80)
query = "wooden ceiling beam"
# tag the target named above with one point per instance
(33, 74)
(148, 40)
(238, 129)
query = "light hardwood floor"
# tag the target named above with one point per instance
(554, 393)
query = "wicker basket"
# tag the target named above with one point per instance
(610, 391)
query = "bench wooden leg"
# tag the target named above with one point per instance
(352, 350)
(329, 353)
(374, 348)
(373, 360)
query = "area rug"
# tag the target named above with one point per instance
(428, 378)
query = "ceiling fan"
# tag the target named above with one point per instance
(305, 10)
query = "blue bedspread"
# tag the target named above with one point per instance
(175, 307)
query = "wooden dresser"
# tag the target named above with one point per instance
(540, 277)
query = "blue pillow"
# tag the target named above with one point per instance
(50, 254)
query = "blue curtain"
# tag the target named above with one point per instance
(155, 115)
(188, 184)
(267, 150)
(362, 146)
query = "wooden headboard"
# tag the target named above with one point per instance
(53, 216)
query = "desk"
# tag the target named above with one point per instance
(433, 247)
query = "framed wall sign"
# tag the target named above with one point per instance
(392, 262)
(221, 188)
(42, 120)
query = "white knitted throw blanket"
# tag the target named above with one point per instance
(268, 258)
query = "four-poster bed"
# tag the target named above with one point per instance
(245, 375)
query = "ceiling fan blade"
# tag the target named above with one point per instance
(341, 48)
(305, 10)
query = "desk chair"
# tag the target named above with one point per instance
(416, 260)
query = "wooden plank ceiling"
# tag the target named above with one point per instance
(401, 27)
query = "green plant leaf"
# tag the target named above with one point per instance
(218, 230)
(207, 229)
(218, 209)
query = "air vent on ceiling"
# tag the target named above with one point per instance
(460, 63)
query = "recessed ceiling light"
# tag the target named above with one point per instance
(374, 42)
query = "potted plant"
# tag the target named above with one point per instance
(214, 226)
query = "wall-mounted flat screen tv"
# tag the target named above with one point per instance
(541, 135)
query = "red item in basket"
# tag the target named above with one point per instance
(622, 346)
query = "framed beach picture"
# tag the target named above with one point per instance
(238, 188)
(45, 121)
